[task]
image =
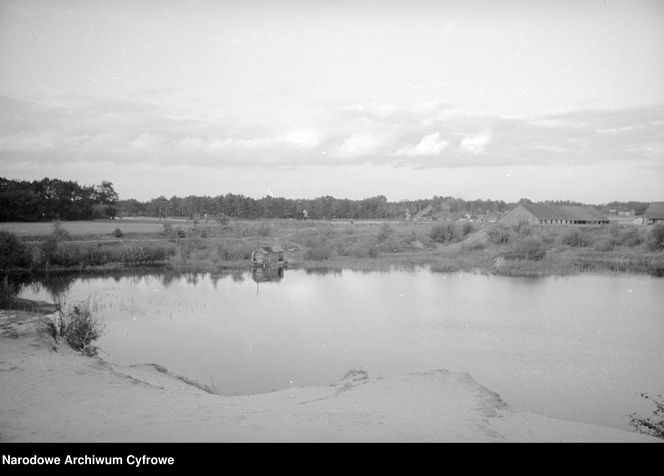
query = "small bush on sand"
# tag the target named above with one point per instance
(78, 327)
(654, 425)
(656, 238)
(117, 233)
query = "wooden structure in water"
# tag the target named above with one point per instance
(268, 256)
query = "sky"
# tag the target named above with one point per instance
(549, 100)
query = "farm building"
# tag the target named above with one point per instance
(539, 213)
(654, 213)
(268, 255)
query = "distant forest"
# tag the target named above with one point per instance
(50, 199)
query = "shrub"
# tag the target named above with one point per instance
(385, 231)
(466, 228)
(234, 251)
(59, 232)
(656, 238)
(523, 228)
(614, 230)
(499, 235)
(13, 252)
(576, 239)
(443, 232)
(318, 253)
(117, 233)
(631, 237)
(529, 248)
(604, 245)
(78, 327)
(653, 426)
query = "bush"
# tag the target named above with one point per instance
(78, 327)
(13, 252)
(499, 235)
(614, 230)
(443, 232)
(656, 238)
(117, 233)
(318, 253)
(385, 231)
(653, 426)
(631, 238)
(604, 245)
(234, 251)
(59, 232)
(576, 239)
(529, 248)
(523, 228)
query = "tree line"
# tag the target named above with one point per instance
(50, 199)
(325, 207)
(54, 199)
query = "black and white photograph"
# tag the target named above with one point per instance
(329, 221)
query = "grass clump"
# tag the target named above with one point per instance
(78, 327)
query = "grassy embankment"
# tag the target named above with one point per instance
(524, 250)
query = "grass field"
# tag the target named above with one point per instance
(525, 250)
(87, 228)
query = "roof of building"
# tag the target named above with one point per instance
(655, 211)
(564, 212)
(271, 249)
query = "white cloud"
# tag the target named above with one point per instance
(359, 145)
(477, 143)
(147, 141)
(304, 138)
(431, 144)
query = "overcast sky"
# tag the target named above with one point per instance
(407, 99)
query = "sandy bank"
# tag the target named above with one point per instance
(50, 393)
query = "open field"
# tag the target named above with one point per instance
(83, 228)
(525, 250)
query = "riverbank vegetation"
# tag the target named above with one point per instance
(208, 245)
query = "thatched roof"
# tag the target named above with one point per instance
(270, 249)
(655, 211)
(564, 212)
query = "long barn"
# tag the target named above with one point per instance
(539, 213)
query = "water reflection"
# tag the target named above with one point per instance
(261, 275)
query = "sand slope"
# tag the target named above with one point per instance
(50, 393)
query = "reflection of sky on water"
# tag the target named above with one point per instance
(577, 347)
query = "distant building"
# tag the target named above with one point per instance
(539, 213)
(654, 213)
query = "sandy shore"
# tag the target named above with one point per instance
(50, 393)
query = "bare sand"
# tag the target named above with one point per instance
(49, 393)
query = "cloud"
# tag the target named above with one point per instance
(477, 143)
(431, 144)
(61, 129)
(359, 145)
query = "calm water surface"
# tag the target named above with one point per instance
(579, 348)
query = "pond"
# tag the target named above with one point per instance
(580, 348)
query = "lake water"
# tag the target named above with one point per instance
(579, 348)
